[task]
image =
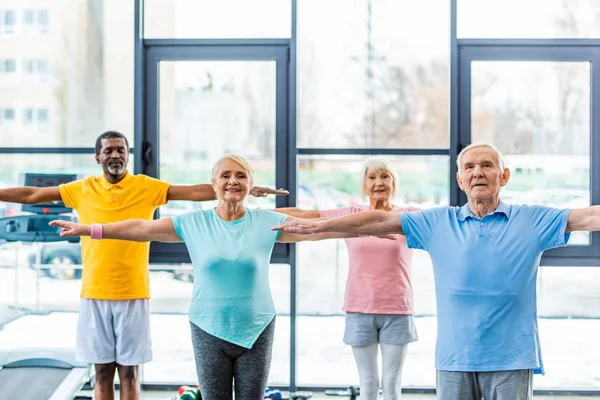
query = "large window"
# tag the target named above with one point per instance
(535, 104)
(208, 19)
(373, 74)
(568, 307)
(538, 115)
(211, 108)
(80, 72)
(502, 19)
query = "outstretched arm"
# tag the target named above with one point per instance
(289, 237)
(205, 192)
(298, 212)
(374, 223)
(137, 230)
(30, 195)
(584, 219)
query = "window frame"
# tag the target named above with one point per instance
(157, 50)
(576, 50)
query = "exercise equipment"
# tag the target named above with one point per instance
(352, 392)
(275, 394)
(189, 393)
(34, 374)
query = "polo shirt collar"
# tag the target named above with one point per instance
(465, 211)
(121, 184)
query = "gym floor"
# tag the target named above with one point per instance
(322, 396)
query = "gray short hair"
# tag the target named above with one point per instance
(501, 163)
(377, 164)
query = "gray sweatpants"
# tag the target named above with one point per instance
(497, 385)
(220, 364)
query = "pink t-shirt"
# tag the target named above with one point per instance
(379, 272)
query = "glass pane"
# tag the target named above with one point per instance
(173, 361)
(508, 19)
(538, 114)
(210, 108)
(569, 312)
(87, 87)
(323, 359)
(208, 19)
(373, 73)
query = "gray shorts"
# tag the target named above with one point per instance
(366, 329)
(496, 385)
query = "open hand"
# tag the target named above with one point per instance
(71, 228)
(259, 191)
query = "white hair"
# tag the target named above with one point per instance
(501, 163)
(242, 161)
(378, 164)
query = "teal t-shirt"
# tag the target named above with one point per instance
(231, 298)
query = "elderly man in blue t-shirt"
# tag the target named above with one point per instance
(485, 258)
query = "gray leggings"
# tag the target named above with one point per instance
(220, 363)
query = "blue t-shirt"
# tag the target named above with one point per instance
(232, 298)
(485, 272)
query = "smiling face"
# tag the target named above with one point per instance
(379, 185)
(113, 157)
(480, 176)
(231, 181)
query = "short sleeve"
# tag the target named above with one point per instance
(419, 227)
(188, 224)
(269, 219)
(70, 193)
(550, 225)
(157, 190)
(336, 212)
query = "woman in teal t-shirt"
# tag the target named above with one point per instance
(232, 315)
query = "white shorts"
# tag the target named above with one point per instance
(114, 331)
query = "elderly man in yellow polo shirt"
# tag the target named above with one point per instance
(113, 330)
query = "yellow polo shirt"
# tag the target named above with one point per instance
(114, 269)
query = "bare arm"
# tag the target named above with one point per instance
(137, 230)
(298, 212)
(584, 219)
(374, 223)
(206, 192)
(289, 237)
(30, 195)
(202, 192)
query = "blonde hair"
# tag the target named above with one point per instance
(501, 163)
(378, 164)
(245, 164)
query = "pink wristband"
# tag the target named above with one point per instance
(96, 232)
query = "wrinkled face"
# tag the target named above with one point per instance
(113, 157)
(379, 185)
(480, 176)
(231, 182)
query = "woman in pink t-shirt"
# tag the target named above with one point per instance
(379, 298)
